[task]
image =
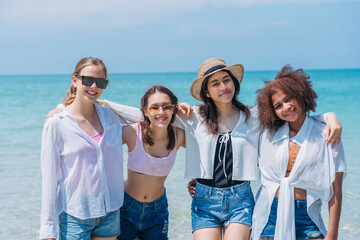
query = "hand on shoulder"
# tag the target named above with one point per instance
(53, 112)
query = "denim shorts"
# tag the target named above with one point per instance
(146, 221)
(305, 228)
(72, 228)
(217, 207)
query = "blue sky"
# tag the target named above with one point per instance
(49, 37)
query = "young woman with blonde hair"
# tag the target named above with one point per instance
(81, 162)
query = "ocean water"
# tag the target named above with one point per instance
(27, 99)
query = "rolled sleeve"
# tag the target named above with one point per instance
(50, 168)
(339, 158)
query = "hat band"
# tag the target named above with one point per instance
(214, 68)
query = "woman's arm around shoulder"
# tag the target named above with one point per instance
(333, 127)
(129, 135)
(131, 114)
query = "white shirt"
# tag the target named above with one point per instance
(80, 176)
(314, 170)
(201, 145)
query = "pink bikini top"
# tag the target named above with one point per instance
(142, 162)
(98, 136)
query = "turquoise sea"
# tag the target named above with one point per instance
(27, 99)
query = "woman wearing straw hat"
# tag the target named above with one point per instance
(223, 202)
(221, 151)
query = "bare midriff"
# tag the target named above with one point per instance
(144, 188)
(299, 193)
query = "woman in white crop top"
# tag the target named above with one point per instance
(152, 145)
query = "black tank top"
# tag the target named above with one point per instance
(223, 164)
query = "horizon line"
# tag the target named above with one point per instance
(270, 70)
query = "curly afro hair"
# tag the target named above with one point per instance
(294, 84)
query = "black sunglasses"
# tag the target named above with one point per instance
(88, 81)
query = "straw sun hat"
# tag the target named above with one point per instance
(208, 68)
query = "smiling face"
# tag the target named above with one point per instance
(159, 109)
(220, 87)
(88, 93)
(286, 108)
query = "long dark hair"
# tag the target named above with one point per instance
(145, 124)
(208, 110)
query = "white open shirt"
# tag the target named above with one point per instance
(314, 170)
(80, 176)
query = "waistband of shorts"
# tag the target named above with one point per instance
(147, 204)
(298, 203)
(214, 190)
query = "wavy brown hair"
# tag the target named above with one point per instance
(294, 84)
(208, 110)
(84, 62)
(145, 124)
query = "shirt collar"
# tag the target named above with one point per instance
(282, 133)
(236, 132)
(301, 136)
(64, 113)
(299, 139)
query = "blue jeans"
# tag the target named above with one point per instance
(217, 207)
(72, 228)
(146, 221)
(305, 228)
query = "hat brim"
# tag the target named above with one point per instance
(237, 71)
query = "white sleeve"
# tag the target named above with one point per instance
(339, 158)
(50, 169)
(254, 111)
(180, 120)
(131, 114)
(320, 118)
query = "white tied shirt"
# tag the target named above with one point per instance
(80, 176)
(314, 170)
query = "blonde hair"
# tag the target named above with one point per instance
(84, 62)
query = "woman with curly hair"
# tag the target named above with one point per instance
(298, 168)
